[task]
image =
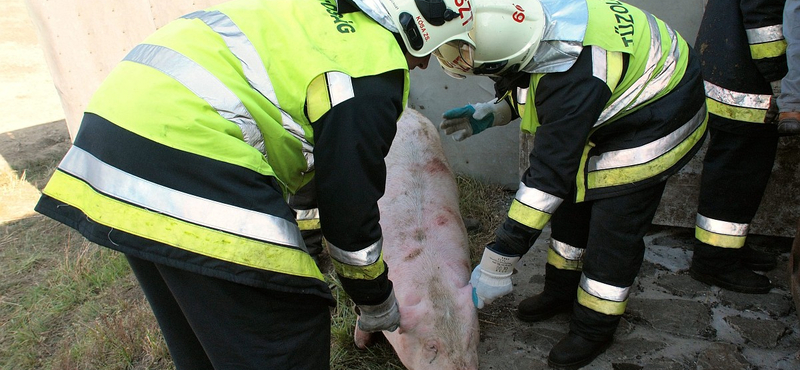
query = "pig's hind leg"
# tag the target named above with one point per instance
(363, 339)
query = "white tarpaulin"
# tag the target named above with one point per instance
(83, 40)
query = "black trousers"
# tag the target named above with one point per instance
(211, 323)
(736, 169)
(612, 231)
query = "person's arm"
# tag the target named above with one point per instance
(351, 141)
(763, 23)
(567, 105)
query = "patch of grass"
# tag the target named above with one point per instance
(17, 194)
(485, 205)
(69, 304)
(344, 354)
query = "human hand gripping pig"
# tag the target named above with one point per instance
(491, 279)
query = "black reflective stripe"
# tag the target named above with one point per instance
(175, 169)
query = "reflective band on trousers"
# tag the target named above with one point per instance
(204, 84)
(204, 212)
(363, 257)
(567, 251)
(564, 256)
(307, 214)
(649, 151)
(735, 98)
(765, 34)
(721, 227)
(650, 83)
(537, 199)
(604, 291)
(603, 298)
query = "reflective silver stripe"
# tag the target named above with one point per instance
(364, 257)
(204, 84)
(599, 63)
(648, 152)
(721, 227)
(340, 87)
(522, 95)
(650, 83)
(190, 208)
(604, 291)
(537, 199)
(658, 83)
(735, 98)
(307, 214)
(567, 251)
(765, 34)
(254, 71)
(562, 41)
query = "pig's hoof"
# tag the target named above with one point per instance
(363, 339)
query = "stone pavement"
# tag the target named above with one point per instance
(672, 321)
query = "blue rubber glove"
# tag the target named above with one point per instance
(491, 279)
(473, 119)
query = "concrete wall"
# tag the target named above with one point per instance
(83, 40)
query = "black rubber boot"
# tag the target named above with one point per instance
(789, 124)
(574, 351)
(722, 267)
(560, 289)
(757, 260)
(542, 307)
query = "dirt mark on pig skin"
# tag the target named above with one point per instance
(416, 252)
(419, 235)
(436, 165)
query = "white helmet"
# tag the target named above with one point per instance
(425, 25)
(506, 33)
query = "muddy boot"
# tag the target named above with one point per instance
(789, 124)
(560, 289)
(722, 267)
(574, 351)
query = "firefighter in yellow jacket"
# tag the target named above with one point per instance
(189, 150)
(615, 100)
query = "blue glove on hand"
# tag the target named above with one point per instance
(491, 279)
(472, 119)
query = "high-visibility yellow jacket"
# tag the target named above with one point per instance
(189, 148)
(615, 101)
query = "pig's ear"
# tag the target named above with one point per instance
(410, 317)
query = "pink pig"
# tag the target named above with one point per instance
(425, 245)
